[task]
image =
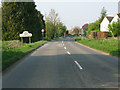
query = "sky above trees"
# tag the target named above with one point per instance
(78, 13)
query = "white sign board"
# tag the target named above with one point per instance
(26, 34)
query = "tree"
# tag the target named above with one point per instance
(20, 16)
(103, 14)
(49, 30)
(67, 32)
(54, 28)
(0, 24)
(95, 26)
(61, 29)
(11, 20)
(76, 30)
(115, 28)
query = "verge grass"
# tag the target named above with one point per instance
(13, 51)
(107, 45)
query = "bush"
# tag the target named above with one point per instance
(11, 53)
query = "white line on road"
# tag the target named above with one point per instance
(68, 52)
(78, 65)
(64, 47)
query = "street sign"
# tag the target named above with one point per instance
(82, 29)
(42, 30)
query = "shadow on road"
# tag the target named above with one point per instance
(60, 71)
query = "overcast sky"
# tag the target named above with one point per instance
(78, 13)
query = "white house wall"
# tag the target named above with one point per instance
(104, 25)
(115, 19)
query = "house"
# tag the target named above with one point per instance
(85, 28)
(108, 20)
(104, 30)
(103, 33)
(117, 16)
(104, 24)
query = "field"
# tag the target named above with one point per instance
(107, 45)
(13, 51)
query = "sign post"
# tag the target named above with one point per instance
(25, 34)
(42, 33)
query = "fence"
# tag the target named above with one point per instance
(99, 35)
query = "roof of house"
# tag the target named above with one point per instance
(85, 26)
(109, 18)
(118, 15)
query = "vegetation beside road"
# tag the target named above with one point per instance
(13, 51)
(95, 26)
(18, 17)
(107, 45)
(54, 27)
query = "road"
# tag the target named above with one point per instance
(63, 63)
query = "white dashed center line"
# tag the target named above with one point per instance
(68, 52)
(78, 65)
(64, 47)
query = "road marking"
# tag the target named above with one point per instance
(64, 47)
(78, 65)
(68, 52)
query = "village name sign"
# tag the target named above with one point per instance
(26, 34)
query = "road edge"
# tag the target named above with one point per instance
(96, 50)
(20, 60)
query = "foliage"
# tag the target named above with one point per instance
(54, 28)
(96, 25)
(76, 30)
(18, 17)
(115, 28)
(67, 32)
(93, 27)
(0, 24)
(107, 45)
(103, 14)
(61, 29)
(12, 51)
(49, 28)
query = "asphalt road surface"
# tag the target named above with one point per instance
(63, 63)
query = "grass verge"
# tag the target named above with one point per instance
(12, 51)
(107, 45)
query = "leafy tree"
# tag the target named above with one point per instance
(49, 30)
(76, 30)
(54, 28)
(67, 32)
(11, 20)
(61, 29)
(115, 28)
(20, 16)
(95, 26)
(0, 24)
